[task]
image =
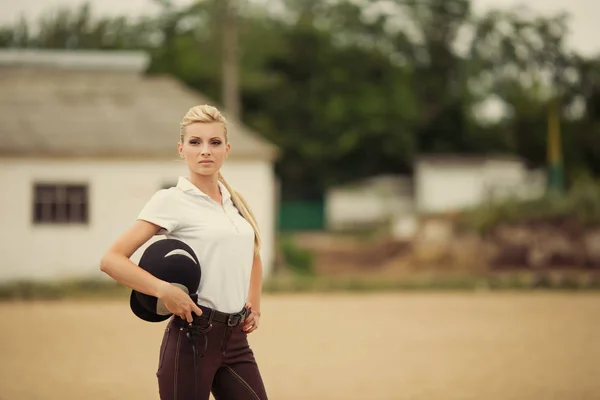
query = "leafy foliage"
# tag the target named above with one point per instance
(349, 89)
(297, 259)
(581, 205)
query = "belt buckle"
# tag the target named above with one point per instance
(237, 317)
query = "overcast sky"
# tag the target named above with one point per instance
(585, 14)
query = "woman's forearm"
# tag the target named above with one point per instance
(122, 270)
(256, 278)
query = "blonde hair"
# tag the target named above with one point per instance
(208, 114)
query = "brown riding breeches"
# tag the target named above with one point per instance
(225, 364)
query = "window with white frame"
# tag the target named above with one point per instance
(60, 204)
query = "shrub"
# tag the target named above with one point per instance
(300, 261)
(581, 204)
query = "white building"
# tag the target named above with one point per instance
(375, 200)
(85, 140)
(447, 183)
(440, 183)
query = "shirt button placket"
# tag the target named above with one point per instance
(230, 220)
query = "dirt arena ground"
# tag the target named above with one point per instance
(326, 347)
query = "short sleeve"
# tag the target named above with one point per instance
(160, 211)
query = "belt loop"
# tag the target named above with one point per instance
(225, 339)
(210, 322)
(211, 316)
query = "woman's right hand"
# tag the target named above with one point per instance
(177, 301)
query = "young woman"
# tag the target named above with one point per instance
(204, 347)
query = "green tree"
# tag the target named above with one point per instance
(523, 59)
(349, 89)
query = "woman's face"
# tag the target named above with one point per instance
(204, 147)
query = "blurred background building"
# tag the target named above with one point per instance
(85, 140)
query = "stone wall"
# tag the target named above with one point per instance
(439, 246)
(532, 245)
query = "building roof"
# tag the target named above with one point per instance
(99, 104)
(465, 159)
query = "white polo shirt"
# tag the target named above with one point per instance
(221, 238)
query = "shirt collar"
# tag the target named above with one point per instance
(185, 185)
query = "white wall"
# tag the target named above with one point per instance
(440, 187)
(372, 201)
(502, 176)
(118, 191)
(512, 179)
(256, 181)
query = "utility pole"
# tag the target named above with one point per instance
(555, 162)
(230, 87)
(556, 173)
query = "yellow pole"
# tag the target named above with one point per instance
(555, 180)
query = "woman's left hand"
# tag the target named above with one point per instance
(252, 321)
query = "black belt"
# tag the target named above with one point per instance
(218, 316)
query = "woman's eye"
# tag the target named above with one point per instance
(193, 142)
(216, 142)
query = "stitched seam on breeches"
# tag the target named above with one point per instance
(242, 381)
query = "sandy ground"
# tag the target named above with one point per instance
(393, 346)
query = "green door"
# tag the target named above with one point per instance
(301, 216)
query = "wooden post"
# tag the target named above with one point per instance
(230, 87)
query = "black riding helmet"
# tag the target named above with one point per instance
(172, 261)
